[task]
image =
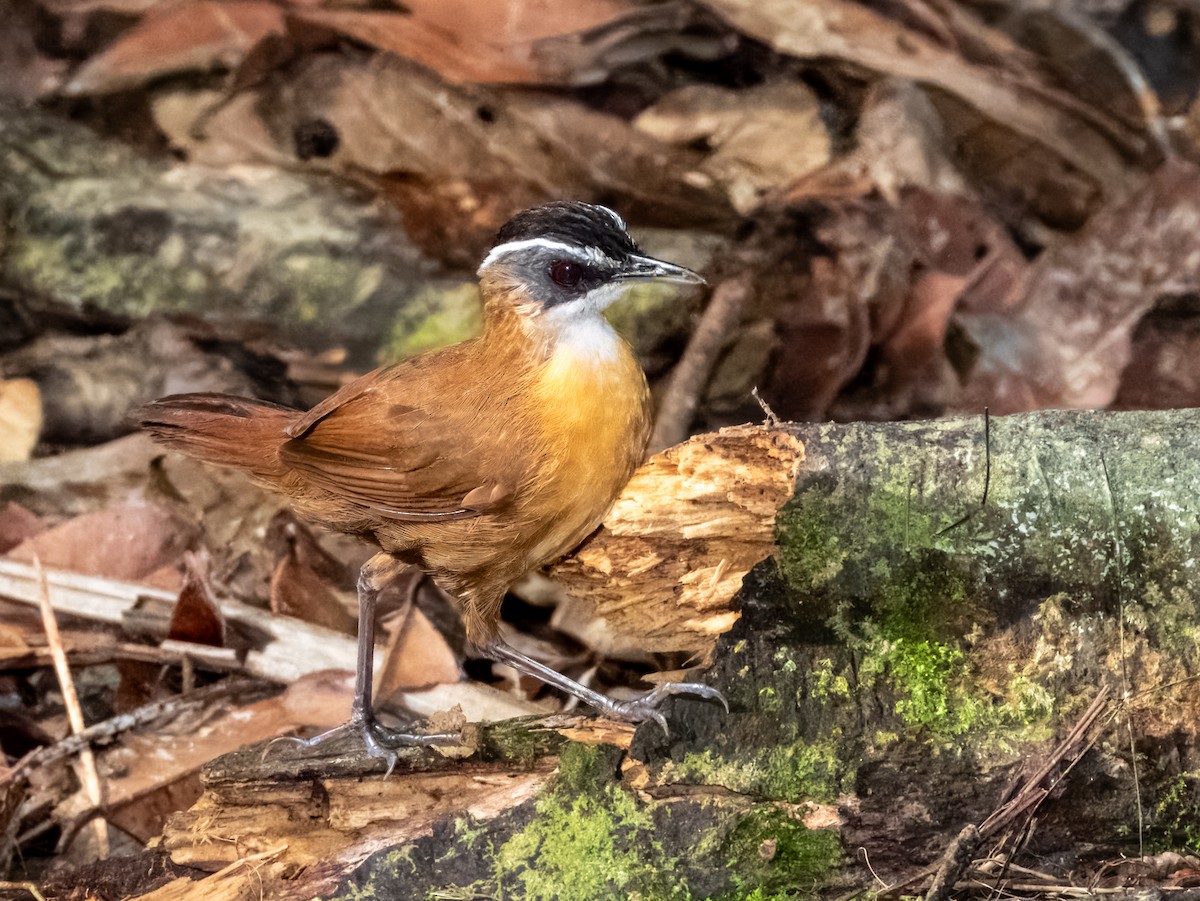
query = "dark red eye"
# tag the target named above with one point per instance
(566, 274)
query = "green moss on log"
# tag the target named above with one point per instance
(795, 772)
(590, 838)
(436, 316)
(773, 854)
(889, 545)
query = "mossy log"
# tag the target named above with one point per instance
(91, 229)
(969, 627)
(88, 223)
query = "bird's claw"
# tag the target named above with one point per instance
(378, 740)
(639, 710)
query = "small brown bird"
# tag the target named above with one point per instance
(478, 462)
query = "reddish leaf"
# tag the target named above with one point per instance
(16, 525)
(514, 22)
(124, 542)
(1164, 362)
(417, 656)
(140, 683)
(196, 616)
(199, 35)
(918, 338)
(467, 41)
(306, 580)
(1070, 336)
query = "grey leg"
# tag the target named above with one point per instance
(636, 711)
(379, 740)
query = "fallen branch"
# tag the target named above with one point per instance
(689, 378)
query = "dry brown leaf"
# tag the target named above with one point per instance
(417, 656)
(914, 347)
(866, 328)
(853, 291)
(513, 23)
(963, 260)
(124, 542)
(110, 471)
(1084, 57)
(20, 419)
(16, 525)
(455, 56)
(1014, 99)
(197, 35)
(467, 41)
(26, 73)
(521, 41)
(899, 143)
(1164, 361)
(761, 137)
(140, 683)
(1069, 339)
(196, 616)
(308, 583)
(469, 144)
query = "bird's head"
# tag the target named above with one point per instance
(569, 259)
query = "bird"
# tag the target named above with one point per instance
(476, 462)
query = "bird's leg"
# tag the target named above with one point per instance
(637, 710)
(379, 740)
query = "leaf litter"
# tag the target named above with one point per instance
(934, 207)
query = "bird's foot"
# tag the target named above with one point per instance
(379, 741)
(639, 710)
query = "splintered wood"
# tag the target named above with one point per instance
(663, 569)
(307, 821)
(340, 818)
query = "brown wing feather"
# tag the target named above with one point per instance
(387, 442)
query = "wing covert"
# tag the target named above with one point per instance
(402, 460)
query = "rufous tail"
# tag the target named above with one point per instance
(222, 429)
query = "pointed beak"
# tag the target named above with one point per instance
(650, 269)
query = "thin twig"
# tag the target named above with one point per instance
(773, 421)
(690, 376)
(954, 863)
(169, 653)
(987, 477)
(1026, 796)
(1120, 554)
(23, 887)
(88, 774)
(108, 729)
(987, 455)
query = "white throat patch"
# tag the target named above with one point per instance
(584, 337)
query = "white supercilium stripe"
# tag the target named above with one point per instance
(583, 254)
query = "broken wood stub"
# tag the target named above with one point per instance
(664, 568)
